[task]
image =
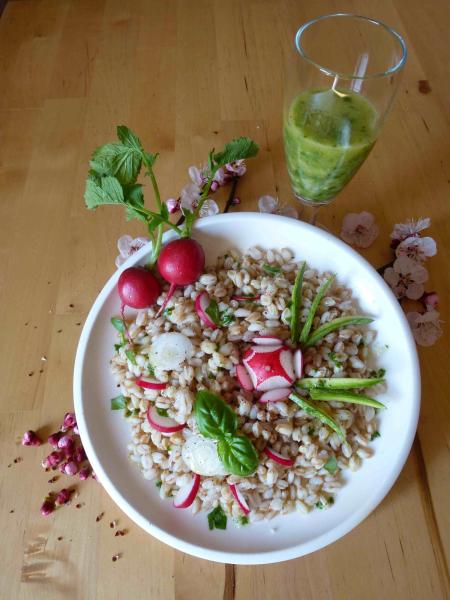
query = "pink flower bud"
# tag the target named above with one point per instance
(173, 206)
(66, 441)
(69, 421)
(30, 438)
(431, 300)
(84, 473)
(63, 496)
(53, 439)
(47, 507)
(52, 460)
(236, 201)
(68, 452)
(214, 186)
(71, 468)
(79, 455)
(62, 467)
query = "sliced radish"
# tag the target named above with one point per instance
(161, 423)
(267, 340)
(269, 367)
(275, 395)
(151, 384)
(239, 498)
(278, 458)
(169, 350)
(244, 378)
(298, 363)
(201, 304)
(243, 298)
(186, 494)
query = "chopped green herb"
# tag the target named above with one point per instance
(331, 326)
(217, 519)
(375, 435)
(311, 431)
(168, 311)
(243, 520)
(117, 347)
(296, 303)
(333, 357)
(118, 402)
(313, 308)
(162, 412)
(319, 505)
(158, 483)
(118, 324)
(211, 375)
(212, 310)
(131, 356)
(344, 396)
(270, 269)
(380, 373)
(330, 500)
(127, 413)
(331, 465)
(226, 317)
(150, 370)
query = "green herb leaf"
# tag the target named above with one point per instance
(237, 149)
(331, 465)
(333, 357)
(243, 520)
(122, 161)
(150, 369)
(270, 269)
(128, 138)
(118, 402)
(336, 383)
(168, 311)
(317, 412)
(380, 373)
(313, 308)
(226, 317)
(131, 356)
(319, 505)
(344, 396)
(106, 190)
(238, 455)
(297, 304)
(158, 483)
(375, 435)
(217, 519)
(212, 310)
(311, 431)
(338, 323)
(162, 412)
(213, 415)
(118, 324)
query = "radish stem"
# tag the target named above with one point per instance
(170, 293)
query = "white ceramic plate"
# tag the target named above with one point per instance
(105, 434)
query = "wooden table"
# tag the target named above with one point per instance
(189, 75)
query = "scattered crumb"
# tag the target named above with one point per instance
(53, 479)
(424, 86)
(35, 327)
(30, 374)
(11, 511)
(60, 537)
(100, 516)
(43, 358)
(121, 532)
(79, 505)
(77, 323)
(41, 370)
(70, 305)
(59, 331)
(113, 524)
(116, 557)
(18, 459)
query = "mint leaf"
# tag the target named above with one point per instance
(118, 402)
(106, 190)
(162, 412)
(121, 161)
(128, 138)
(331, 465)
(150, 370)
(217, 519)
(237, 149)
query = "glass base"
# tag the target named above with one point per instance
(310, 209)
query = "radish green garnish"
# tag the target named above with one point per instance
(118, 403)
(162, 412)
(317, 412)
(338, 323)
(118, 324)
(331, 465)
(337, 383)
(296, 304)
(313, 308)
(270, 269)
(131, 356)
(375, 435)
(343, 396)
(217, 519)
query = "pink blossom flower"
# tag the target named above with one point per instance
(430, 300)
(209, 208)
(220, 179)
(128, 246)
(417, 248)
(173, 206)
(190, 196)
(359, 229)
(406, 278)
(238, 167)
(269, 204)
(426, 328)
(411, 228)
(196, 176)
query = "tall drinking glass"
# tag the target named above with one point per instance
(339, 88)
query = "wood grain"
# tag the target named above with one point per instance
(188, 75)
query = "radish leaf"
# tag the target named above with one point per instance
(237, 149)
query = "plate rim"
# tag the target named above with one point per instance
(243, 558)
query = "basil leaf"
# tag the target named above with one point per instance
(331, 465)
(162, 412)
(297, 304)
(131, 356)
(118, 324)
(314, 306)
(217, 519)
(238, 455)
(271, 270)
(213, 415)
(118, 402)
(212, 310)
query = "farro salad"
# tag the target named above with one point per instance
(244, 389)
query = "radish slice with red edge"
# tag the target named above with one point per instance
(244, 378)
(275, 395)
(151, 384)
(278, 458)
(239, 498)
(201, 304)
(243, 298)
(267, 340)
(186, 494)
(161, 423)
(298, 363)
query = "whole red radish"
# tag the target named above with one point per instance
(138, 288)
(181, 262)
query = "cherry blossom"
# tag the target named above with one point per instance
(238, 167)
(426, 327)
(430, 300)
(417, 248)
(190, 196)
(209, 208)
(406, 278)
(412, 227)
(220, 179)
(196, 176)
(173, 206)
(128, 246)
(359, 229)
(269, 204)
